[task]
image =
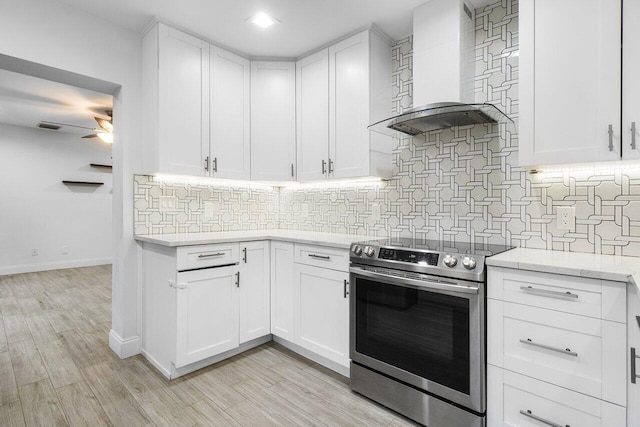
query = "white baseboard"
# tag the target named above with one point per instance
(124, 348)
(334, 366)
(56, 265)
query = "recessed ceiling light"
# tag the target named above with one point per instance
(262, 20)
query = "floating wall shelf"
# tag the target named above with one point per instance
(98, 165)
(83, 183)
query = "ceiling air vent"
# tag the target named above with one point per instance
(50, 126)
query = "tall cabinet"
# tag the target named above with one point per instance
(197, 106)
(340, 91)
(631, 83)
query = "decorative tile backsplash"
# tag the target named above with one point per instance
(459, 184)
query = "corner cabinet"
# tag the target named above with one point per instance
(570, 81)
(340, 92)
(197, 106)
(202, 304)
(273, 127)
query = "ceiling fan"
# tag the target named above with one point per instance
(104, 132)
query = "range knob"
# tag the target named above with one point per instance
(450, 261)
(469, 262)
(369, 251)
(357, 250)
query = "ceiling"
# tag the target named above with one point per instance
(304, 24)
(26, 101)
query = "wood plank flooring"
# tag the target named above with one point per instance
(56, 369)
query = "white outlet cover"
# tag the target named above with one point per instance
(167, 203)
(566, 218)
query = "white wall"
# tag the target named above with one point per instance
(51, 33)
(39, 212)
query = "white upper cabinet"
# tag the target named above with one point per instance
(359, 94)
(570, 81)
(197, 106)
(312, 115)
(631, 82)
(176, 69)
(273, 127)
(230, 106)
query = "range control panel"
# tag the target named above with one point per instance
(413, 257)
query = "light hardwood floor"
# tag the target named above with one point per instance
(56, 369)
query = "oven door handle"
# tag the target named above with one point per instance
(416, 283)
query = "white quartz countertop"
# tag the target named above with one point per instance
(333, 240)
(605, 267)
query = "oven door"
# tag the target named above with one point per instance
(423, 330)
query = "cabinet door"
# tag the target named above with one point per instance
(312, 115)
(206, 314)
(273, 126)
(183, 102)
(630, 81)
(349, 107)
(570, 81)
(254, 290)
(322, 312)
(282, 279)
(633, 338)
(230, 105)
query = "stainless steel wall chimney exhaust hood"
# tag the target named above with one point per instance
(443, 73)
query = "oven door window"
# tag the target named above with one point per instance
(424, 333)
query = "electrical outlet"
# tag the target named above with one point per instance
(64, 250)
(375, 211)
(566, 217)
(34, 252)
(167, 204)
(208, 210)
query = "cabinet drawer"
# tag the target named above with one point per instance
(193, 257)
(580, 353)
(516, 400)
(318, 256)
(569, 294)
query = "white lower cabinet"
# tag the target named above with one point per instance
(633, 336)
(206, 314)
(556, 350)
(282, 282)
(253, 285)
(322, 312)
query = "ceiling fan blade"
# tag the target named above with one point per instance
(104, 124)
(68, 125)
(95, 135)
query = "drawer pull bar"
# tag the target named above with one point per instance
(210, 255)
(319, 256)
(548, 347)
(549, 293)
(634, 359)
(530, 414)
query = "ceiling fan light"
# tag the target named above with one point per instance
(262, 20)
(106, 137)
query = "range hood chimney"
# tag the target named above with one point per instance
(443, 72)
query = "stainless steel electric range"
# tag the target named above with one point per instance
(417, 328)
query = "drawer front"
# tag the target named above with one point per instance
(568, 294)
(516, 400)
(319, 256)
(580, 353)
(193, 257)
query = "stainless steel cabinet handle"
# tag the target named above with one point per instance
(210, 255)
(292, 170)
(330, 166)
(567, 351)
(545, 292)
(238, 279)
(319, 256)
(633, 135)
(324, 166)
(634, 372)
(610, 137)
(215, 164)
(528, 413)
(346, 284)
(206, 164)
(244, 255)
